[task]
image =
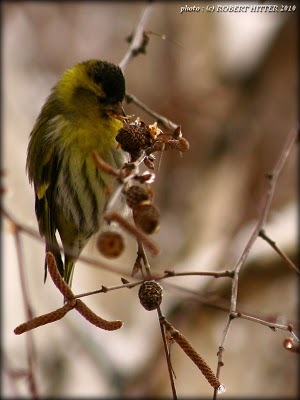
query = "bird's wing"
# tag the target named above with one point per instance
(45, 207)
(43, 168)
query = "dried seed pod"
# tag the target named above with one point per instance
(146, 177)
(177, 132)
(134, 138)
(183, 144)
(136, 195)
(169, 143)
(110, 244)
(149, 163)
(154, 130)
(150, 295)
(146, 217)
(133, 230)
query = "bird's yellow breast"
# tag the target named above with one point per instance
(84, 135)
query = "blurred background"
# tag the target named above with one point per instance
(230, 81)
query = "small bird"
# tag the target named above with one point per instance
(82, 114)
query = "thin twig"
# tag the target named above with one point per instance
(273, 244)
(100, 264)
(169, 363)
(106, 289)
(265, 209)
(220, 365)
(143, 255)
(220, 274)
(207, 302)
(21, 227)
(224, 335)
(137, 38)
(167, 123)
(28, 312)
(86, 260)
(271, 325)
(267, 198)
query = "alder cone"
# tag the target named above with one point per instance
(146, 217)
(136, 195)
(150, 295)
(134, 139)
(110, 244)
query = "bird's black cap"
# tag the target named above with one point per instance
(111, 78)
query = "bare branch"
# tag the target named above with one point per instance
(288, 261)
(265, 208)
(106, 289)
(271, 325)
(266, 204)
(167, 353)
(267, 199)
(220, 274)
(167, 123)
(137, 39)
(31, 360)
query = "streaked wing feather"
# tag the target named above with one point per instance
(42, 168)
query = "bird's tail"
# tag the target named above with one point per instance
(69, 269)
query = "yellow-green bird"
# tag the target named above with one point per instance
(70, 191)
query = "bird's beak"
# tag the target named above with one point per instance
(118, 109)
